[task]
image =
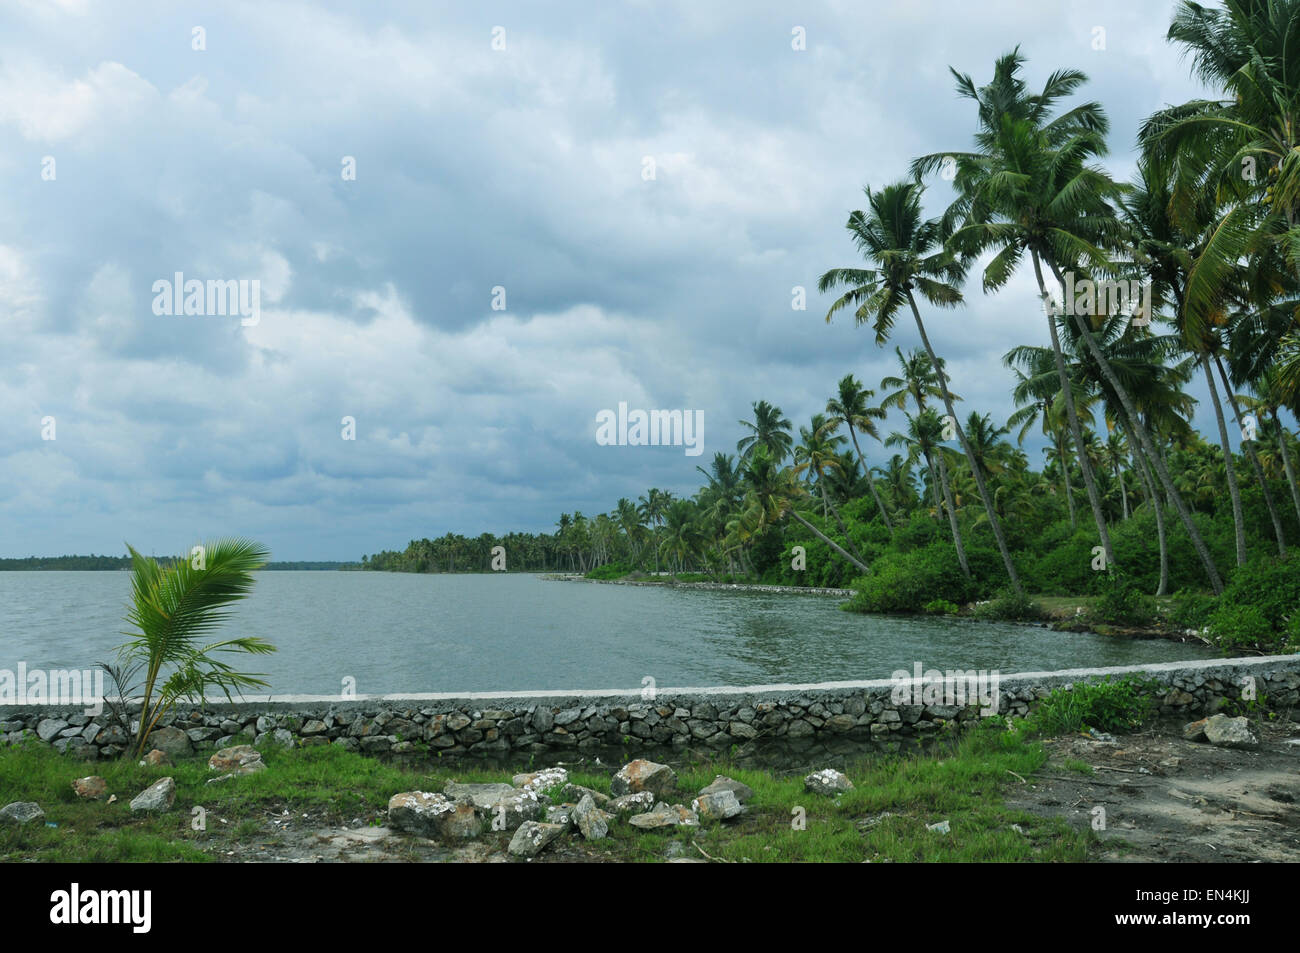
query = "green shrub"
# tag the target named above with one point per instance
(1258, 607)
(610, 571)
(1008, 606)
(940, 607)
(1121, 603)
(1241, 627)
(906, 582)
(1111, 705)
(1191, 610)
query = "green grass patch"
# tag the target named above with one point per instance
(883, 818)
(1121, 704)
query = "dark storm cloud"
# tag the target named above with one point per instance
(476, 168)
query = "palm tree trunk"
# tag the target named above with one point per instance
(934, 482)
(1123, 490)
(1144, 438)
(1094, 498)
(1249, 447)
(871, 483)
(1286, 463)
(985, 498)
(1065, 479)
(848, 540)
(1234, 491)
(830, 542)
(1157, 504)
(952, 513)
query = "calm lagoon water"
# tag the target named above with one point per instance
(409, 633)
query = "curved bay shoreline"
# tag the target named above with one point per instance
(1058, 621)
(714, 586)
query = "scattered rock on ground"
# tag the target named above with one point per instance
(461, 824)
(665, 815)
(590, 819)
(563, 814)
(156, 758)
(717, 806)
(742, 791)
(515, 808)
(630, 804)
(482, 796)
(156, 798)
(418, 812)
(91, 788)
(643, 775)
(21, 812)
(1195, 730)
(237, 761)
(533, 837)
(573, 793)
(827, 781)
(1225, 732)
(541, 780)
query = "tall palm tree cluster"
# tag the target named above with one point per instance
(1208, 230)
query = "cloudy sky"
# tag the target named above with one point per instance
(494, 146)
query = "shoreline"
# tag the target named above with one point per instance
(709, 586)
(1053, 620)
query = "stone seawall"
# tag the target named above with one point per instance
(747, 719)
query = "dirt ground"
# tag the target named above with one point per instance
(1164, 800)
(1169, 800)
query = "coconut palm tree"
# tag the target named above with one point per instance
(1268, 400)
(920, 381)
(770, 428)
(1037, 395)
(173, 608)
(773, 491)
(908, 258)
(817, 458)
(1029, 188)
(850, 407)
(924, 440)
(897, 477)
(682, 536)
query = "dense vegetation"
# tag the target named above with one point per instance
(1189, 272)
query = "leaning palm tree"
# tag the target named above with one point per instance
(1269, 400)
(773, 491)
(1038, 399)
(817, 459)
(1022, 191)
(174, 608)
(1029, 188)
(923, 440)
(1115, 454)
(1248, 141)
(850, 407)
(906, 250)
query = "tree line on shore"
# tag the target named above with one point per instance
(1129, 496)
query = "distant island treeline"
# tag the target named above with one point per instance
(99, 563)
